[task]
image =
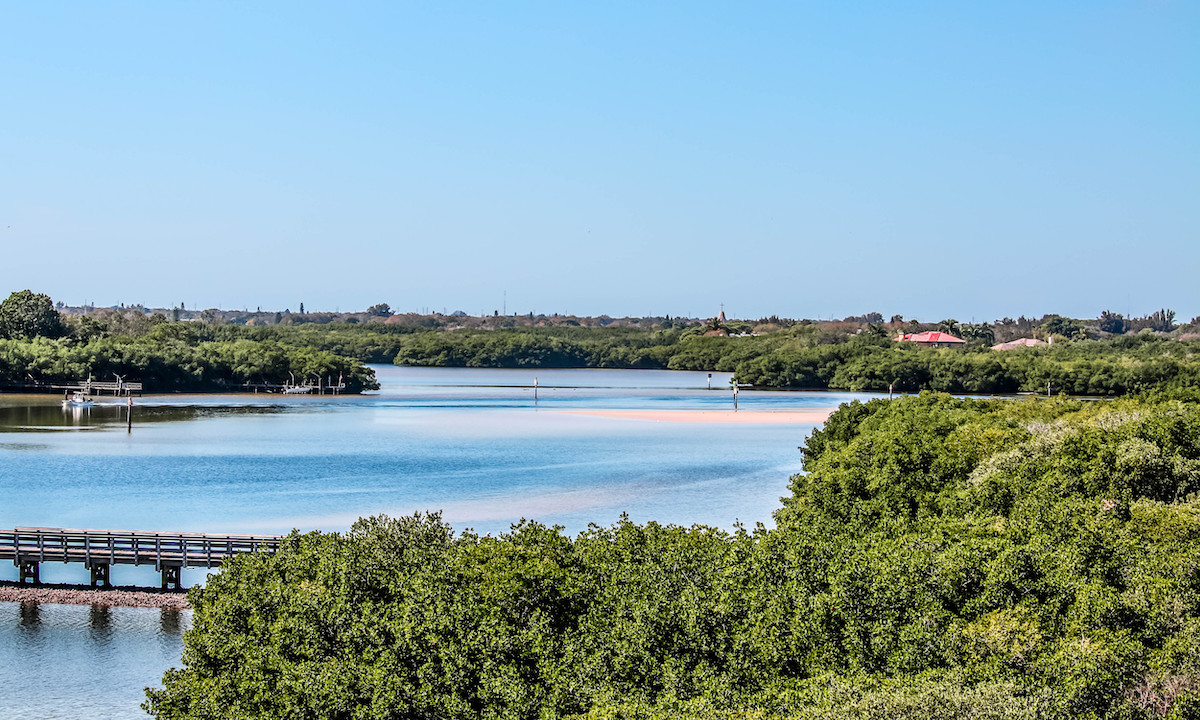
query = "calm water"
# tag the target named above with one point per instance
(473, 444)
(74, 661)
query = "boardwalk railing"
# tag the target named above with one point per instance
(99, 550)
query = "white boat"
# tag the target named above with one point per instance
(78, 399)
(297, 390)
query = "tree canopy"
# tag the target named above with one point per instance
(937, 558)
(25, 315)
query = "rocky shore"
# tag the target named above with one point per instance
(87, 595)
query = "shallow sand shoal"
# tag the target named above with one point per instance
(713, 416)
(87, 595)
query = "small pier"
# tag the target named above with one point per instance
(91, 387)
(99, 550)
(88, 387)
(323, 386)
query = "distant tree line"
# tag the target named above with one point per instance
(1118, 366)
(1112, 355)
(40, 347)
(165, 364)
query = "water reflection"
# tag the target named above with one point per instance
(42, 413)
(77, 414)
(75, 661)
(100, 621)
(31, 615)
(170, 622)
(25, 413)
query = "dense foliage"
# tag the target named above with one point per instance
(165, 363)
(807, 357)
(376, 343)
(938, 558)
(39, 348)
(25, 314)
(541, 347)
(1116, 366)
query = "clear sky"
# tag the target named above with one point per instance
(928, 159)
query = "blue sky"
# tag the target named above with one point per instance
(967, 160)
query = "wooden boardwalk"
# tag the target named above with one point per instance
(99, 550)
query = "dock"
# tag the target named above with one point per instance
(321, 387)
(99, 550)
(88, 387)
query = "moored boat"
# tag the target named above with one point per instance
(78, 399)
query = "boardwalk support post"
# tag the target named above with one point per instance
(29, 570)
(171, 576)
(101, 574)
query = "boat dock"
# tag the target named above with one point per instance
(91, 387)
(99, 550)
(88, 387)
(323, 386)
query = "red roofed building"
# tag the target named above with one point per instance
(932, 338)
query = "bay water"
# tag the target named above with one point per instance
(475, 445)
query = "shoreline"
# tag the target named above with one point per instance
(712, 416)
(54, 594)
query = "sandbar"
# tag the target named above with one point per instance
(808, 417)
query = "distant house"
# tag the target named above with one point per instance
(1020, 342)
(932, 338)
